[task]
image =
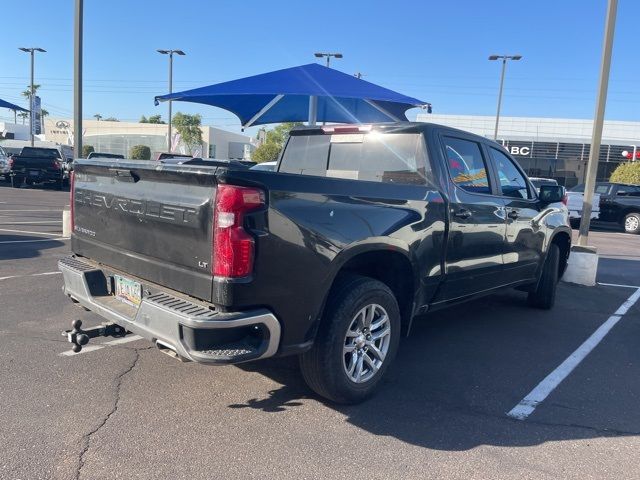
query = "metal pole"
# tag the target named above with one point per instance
(504, 66)
(328, 58)
(598, 121)
(31, 99)
(313, 110)
(170, 92)
(77, 79)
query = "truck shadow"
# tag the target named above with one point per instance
(25, 246)
(461, 370)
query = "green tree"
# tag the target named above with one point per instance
(143, 119)
(156, 119)
(111, 119)
(86, 150)
(274, 141)
(188, 126)
(140, 152)
(23, 116)
(27, 92)
(628, 172)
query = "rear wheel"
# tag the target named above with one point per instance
(544, 296)
(356, 341)
(632, 223)
(16, 181)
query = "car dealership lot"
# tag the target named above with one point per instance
(125, 410)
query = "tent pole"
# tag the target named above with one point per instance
(313, 109)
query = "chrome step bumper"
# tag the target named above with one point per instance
(193, 331)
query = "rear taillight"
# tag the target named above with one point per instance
(233, 248)
(72, 182)
(11, 161)
(565, 199)
(55, 165)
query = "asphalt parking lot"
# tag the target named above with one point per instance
(125, 410)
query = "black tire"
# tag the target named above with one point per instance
(575, 223)
(17, 182)
(323, 366)
(631, 223)
(544, 296)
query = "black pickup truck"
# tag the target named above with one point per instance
(38, 165)
(358, 231)
(620, 203)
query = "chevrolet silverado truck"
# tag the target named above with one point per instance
(39, 165)
(359, 230)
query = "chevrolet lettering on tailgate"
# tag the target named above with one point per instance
(164, 212)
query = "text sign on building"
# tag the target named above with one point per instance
(36, 112)
(519, 151)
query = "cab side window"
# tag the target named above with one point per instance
(466, 165)
(512, 182)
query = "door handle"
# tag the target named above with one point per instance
(463, 213)
(513, 214)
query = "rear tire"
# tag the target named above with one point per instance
(16, 182)
(544, 296)
(344, 345)
(632, 223)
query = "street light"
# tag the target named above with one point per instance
(328, 55)
(504, 66)
(31, 51)
(170, 53)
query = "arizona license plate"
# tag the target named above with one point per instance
(128, 291)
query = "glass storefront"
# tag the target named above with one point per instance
(566, 162)
(122, 143)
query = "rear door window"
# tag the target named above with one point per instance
(466, 165)
(306, 155)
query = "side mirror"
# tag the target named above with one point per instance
(551, 193)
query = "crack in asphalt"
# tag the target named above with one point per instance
(86, 439)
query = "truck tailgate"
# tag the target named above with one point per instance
(575, 200)
(149, 221)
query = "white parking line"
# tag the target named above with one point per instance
(618, 285)
(55, 239)
(93, 348)
(32, 223)
(529, 403)
(33, 210)
(31, 275)
(29, 232)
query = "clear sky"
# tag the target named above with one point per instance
(433, 50)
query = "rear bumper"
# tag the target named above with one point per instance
(194, 331)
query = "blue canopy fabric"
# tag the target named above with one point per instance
(284, 96)
(11, 106)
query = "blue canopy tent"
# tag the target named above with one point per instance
(11, 106)
(306, 93)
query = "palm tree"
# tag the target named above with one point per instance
(23, 116)
(27, 92)
(97, 116)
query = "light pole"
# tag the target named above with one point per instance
(170, 53)
(328, 55)
(504, 66)
(32, 51)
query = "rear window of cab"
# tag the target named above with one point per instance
(376, 157)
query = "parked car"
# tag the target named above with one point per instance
(5, 169)
(39, 165)
(105, 155)
(620, 204)
(266, 166)
(363, 229)
(575, 201)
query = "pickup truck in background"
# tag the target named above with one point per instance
(575, 199)
(4, 165)
(359, 230)
(620, 204)
(39, 165)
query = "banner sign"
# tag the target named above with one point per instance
(36, 111)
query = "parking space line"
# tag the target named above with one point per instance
(32, 223)
(26, 231)
(87, 349)
(31, 275)
(529, 403)
(54, 239)
(618, 285)
(33, 210)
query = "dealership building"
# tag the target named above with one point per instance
(553, 147)
(119, 137)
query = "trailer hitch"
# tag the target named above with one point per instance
(79, 337)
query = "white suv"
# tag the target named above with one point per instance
(4, 164)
